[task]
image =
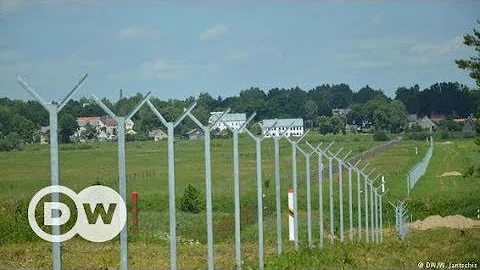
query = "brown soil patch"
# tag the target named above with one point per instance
(456, 222)
(454, 173)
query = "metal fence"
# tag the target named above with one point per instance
(369, 210)
(401, 222)
(419, 169)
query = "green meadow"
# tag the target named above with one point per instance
(23, 173)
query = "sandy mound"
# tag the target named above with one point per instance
(451, 174)
(456, 222)
(447, 142)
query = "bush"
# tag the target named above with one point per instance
(419, 136)
(190, 201)
(469, 171)
(445, 135)
(468, 134)
(10, 142)
(380, 135)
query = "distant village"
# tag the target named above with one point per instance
(104, 128)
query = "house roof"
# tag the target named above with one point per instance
(108, 121)
(412, 117)
(228, 117)
(193, 131)
(427, 120)
(44, 129)
(268, 123)
(92, 120)
(156, 132)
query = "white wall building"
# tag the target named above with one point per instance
(281, 125)
(233, 120)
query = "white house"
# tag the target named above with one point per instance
(157, 134)
(233, 120)
(280, 125)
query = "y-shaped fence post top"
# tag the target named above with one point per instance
(282, 134)
(376, 177)
(116, 117)
(43, 102)
(315, 149)
(365, 167)
(157, 113)
(139, 105)
(242, 127)
(185, 113)
(198, 123)
(345, 157)
(383, 194)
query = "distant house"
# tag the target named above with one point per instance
(42, 135)
(274, 127)
(194, 134)
(342, 113)
(105, 126)
(157, 135)
(437, 117)
(365, 126)
(232, 120)
(426, 123)
(412, 119)
(469, 124)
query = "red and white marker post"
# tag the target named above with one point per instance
(134, 211)
(291, 216)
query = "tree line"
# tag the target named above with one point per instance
(19, 120)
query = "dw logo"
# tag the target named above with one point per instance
(101, 213)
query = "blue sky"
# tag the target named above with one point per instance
(180, 49)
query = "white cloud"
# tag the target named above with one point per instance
(138, 32)
(213, 32)
(375, 43)
(238, 55)
(162, 69)
(439, 49)
(377, 19)
(10, 6)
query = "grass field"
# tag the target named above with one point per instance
(24, 173)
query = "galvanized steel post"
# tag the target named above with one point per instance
(53, 109)
(171, 179)
(359, 205)
(122, 169)
(208, 184)
(330, 185)
(277, 194)
(350, 206)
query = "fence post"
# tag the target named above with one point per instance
(53, 109)
(320, 154)
(236, 189)
(277, 194)
(171, 179)
(365, 180)
(350, 206)
(122, 169)
(258, 148)
(208, 183)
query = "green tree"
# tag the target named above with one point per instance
(324, 124)
(472, 64)
(190, 201)
(90, 132)
(67, 126)
(310, 110)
